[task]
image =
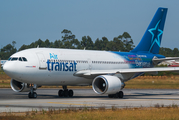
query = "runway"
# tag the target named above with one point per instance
(11, 101)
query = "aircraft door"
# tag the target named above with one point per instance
(90, 64)
(42, 61)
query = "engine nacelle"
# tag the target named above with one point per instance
(19, 86)
(107, 84)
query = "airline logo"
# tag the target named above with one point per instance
(54, 64)
(53, 56)
(155, 38)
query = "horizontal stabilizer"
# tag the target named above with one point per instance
(158, 60)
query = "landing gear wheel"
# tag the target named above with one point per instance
(29, 95)
(116, 95)
(60, 93)
(70, 93)
(65, 93)
(110, 95)
(121, 94)
(32, 95)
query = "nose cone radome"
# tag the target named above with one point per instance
(10, 69)
(7, 68)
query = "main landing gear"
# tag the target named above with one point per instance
(65, 92)
(119, 94)
(32, 94)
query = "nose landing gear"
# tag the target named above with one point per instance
(32, 94)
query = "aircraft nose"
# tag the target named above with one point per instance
(8, 69)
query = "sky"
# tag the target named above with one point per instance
(27, 21)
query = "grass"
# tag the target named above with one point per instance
(154, 82)
(159, 112)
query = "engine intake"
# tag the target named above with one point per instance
(19, 86)
(106, 84)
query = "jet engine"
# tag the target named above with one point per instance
(19, 86)
(107, 84)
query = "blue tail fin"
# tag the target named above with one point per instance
(151, 40)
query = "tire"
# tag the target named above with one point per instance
(60, 93)
(116, 95)
(70, 93)
(121, 94)
(65, 93)
(29, 95)
(34, 95)
(110, 95)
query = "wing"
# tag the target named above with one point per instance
(84, 73)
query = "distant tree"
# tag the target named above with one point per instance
(118, 44)
(58, 44)
(87, 43)
(13, 43)
(175, 52)
(127, 41)
(166, 52)
(68, 36)
(7, 51)
(105, 42)
(111, 46)
(32, 45)
(47, 43)
(126, 35)
(23, 47)
(75, 44)
(67, 44)
(40, 43)
(98, 45)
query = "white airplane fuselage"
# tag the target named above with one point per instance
(45, 66)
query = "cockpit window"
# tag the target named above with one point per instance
(20, 59)
(9, 59)
(24, 59)
(14, 59)
(17, 59)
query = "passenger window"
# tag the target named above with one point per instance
(14, 59)
(9, 59)
(20, 59)
(24, 59)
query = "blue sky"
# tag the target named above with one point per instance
(27, 21)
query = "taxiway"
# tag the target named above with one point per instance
(11, 101)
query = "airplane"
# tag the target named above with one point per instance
(106, 71)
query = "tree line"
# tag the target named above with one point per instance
(123, 43)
